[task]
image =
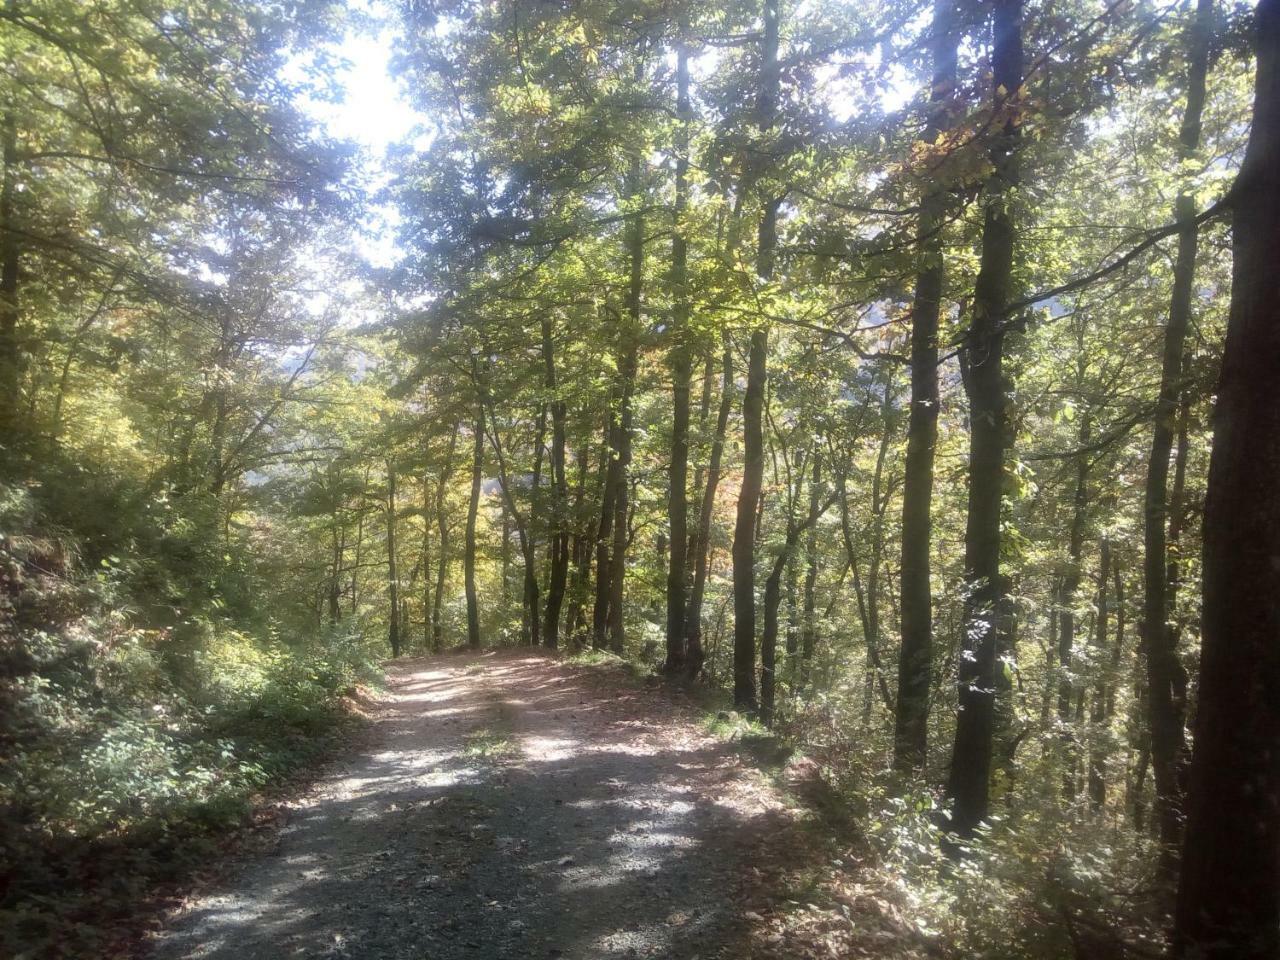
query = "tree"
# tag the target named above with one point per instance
(744, 533)
(915, 658)
(1166, 677)
(1229, 893)
(681, 371)
(985, 588)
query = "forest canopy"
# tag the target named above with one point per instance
(896, 375)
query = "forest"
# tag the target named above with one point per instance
(894, 380)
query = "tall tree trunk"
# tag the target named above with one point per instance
(879, 504)
(580, 550)
(681, 371)
(335, 578)
(701, 540)
(1069, 588)
(611, 467)
(915, 659)
(808, 616)
(531, 624)
(426, 563)
(627, 375)
(529, 605)
(393, 573)
(10, 253)
(1229, 900)
(744, 534)
(355, 572)
(442, 525)
(985, 589)
(559, 496)
(1166, 681)
(870, 627)
(772, 602)
(769, 636)
(505, 564)
(699, 471)
(1101, 681)
(473, 510)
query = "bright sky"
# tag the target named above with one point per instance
(373, 112)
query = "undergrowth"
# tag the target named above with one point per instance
(139, 717)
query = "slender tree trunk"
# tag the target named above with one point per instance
(506, 557)
(744, 534)
(627, 375)
(681, 371)
(701, 541)
(1166, 681)
(870, 627)
(10, 253)
(530, 619)
(1066, 604)
(699, 471)
(355, 573)
(915, 660)
(581, 551)
(611, 468)
(559, 496)
(769, 637)
(426, 563)
(1117, 649)
(744, 547)
(879, 504)
(985, 589)
(335, 579)
(1228, 902)
(808, 616)
(530, 634)
(473, 511)
(1101, 682)
(393, 574)
(772, 603)
(442, 525)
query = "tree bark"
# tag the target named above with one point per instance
(1098, 705)
(701, 540)
(875, 673)
(473, 510)
(559, 576)
(10, 253)
(604, 569)
(772, 602)
(529, 618)
(581, 548)
(769, 637)
(681, 372)
(986, 590)
(442, 526)
(393, 575)
(335, 578)
(1228, 903)
(627, 375)
(1166, 679)
(744, 534)
(808, 616)
(915, 659)
(355, 573)
(1069, 588)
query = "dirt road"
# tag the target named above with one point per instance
(508, 806)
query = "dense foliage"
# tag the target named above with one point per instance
(856, 359)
